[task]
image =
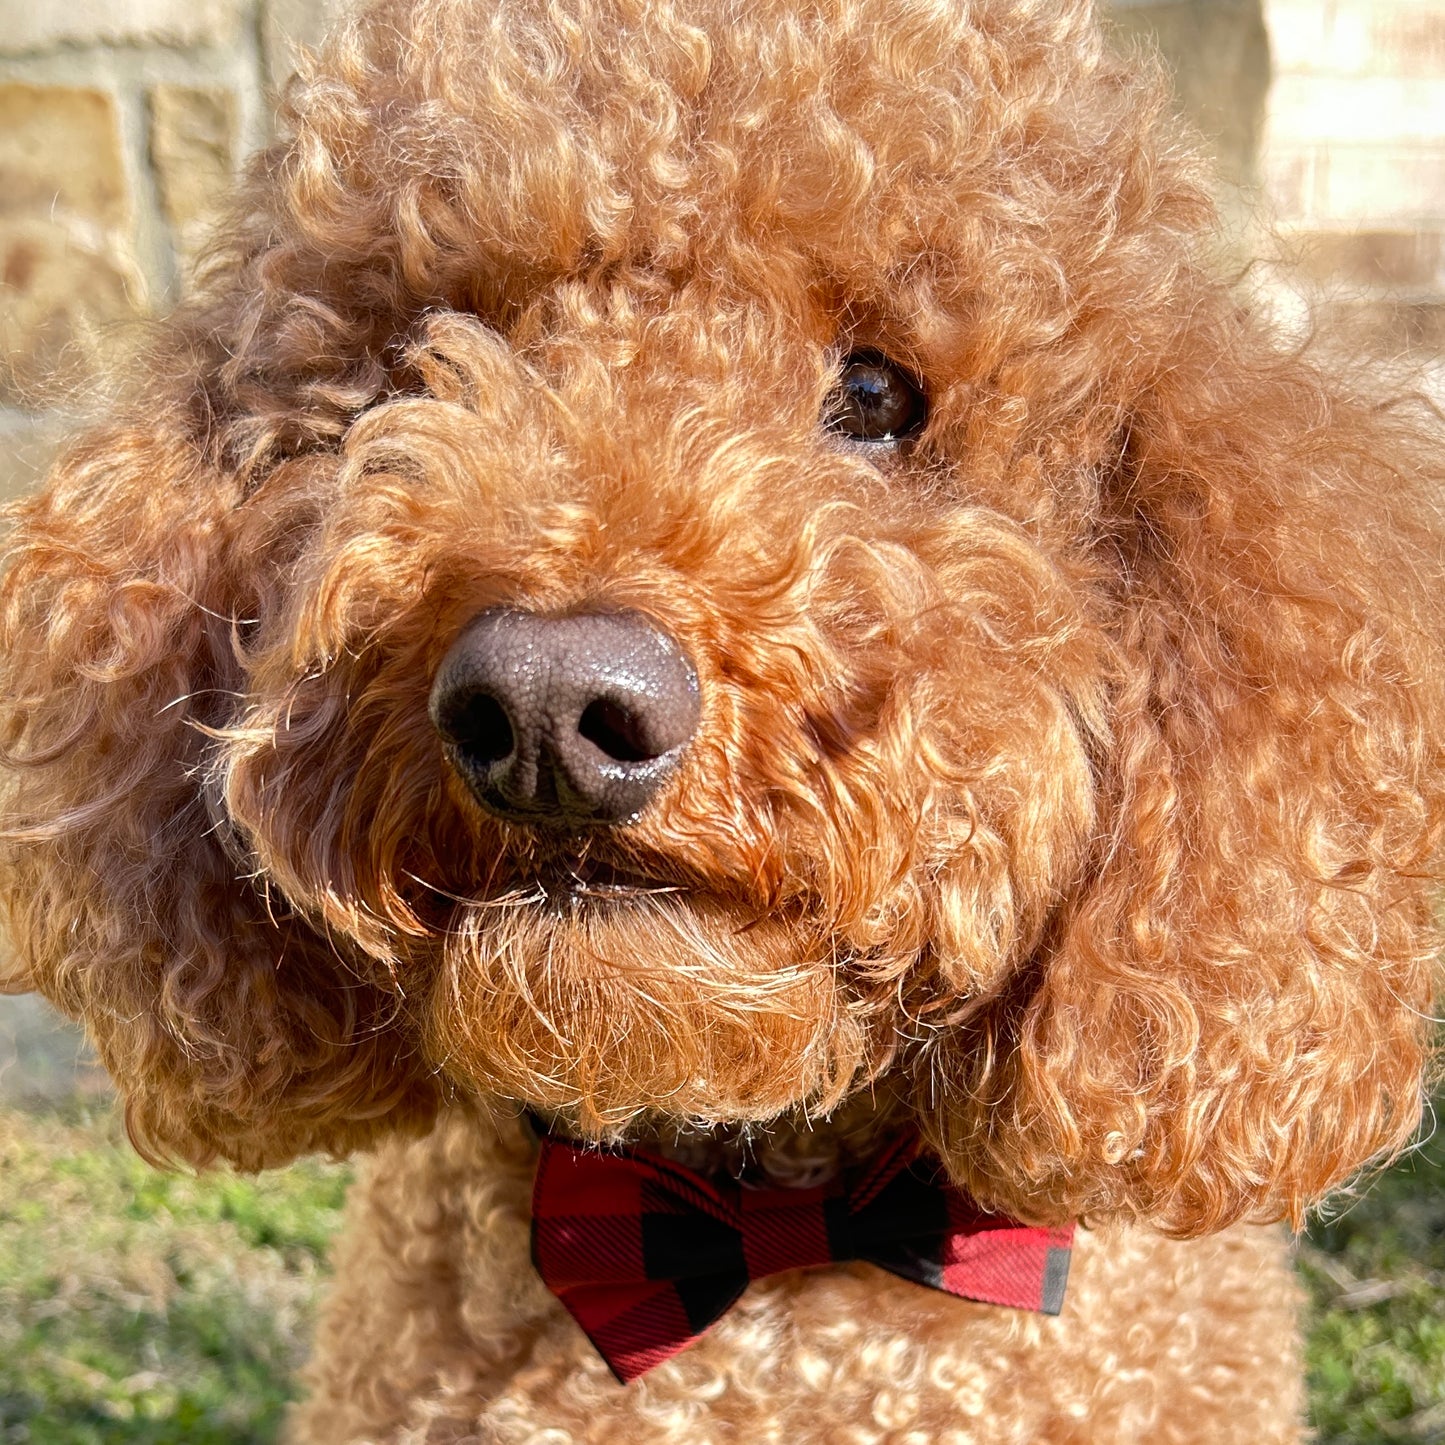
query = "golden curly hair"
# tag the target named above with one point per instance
(1070, 773)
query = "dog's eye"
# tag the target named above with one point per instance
(875, 400)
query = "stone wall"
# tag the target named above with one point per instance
(1353, 161)
(120, 122)
(1218, 51)
(1328, 118)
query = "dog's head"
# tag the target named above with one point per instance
(691, 561)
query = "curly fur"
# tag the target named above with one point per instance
(1183, 1344)
(1069, 781)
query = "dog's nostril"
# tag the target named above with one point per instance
(481, 729)
(614, 730)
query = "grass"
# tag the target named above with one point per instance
(139, 1308)
(1375, 1272)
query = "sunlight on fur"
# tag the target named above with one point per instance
(1069, 776)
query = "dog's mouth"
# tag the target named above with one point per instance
(559, 883)
(574, 879)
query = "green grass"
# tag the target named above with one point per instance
(139, 1308)
(1375, 1271)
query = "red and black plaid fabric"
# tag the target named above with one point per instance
(646, 1255)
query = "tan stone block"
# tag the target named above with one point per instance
(1293, 180)
(1357, 110)
(1218, 51)
(27, 445)
(1299, 35)
(289, 23)
(1384, 187)
(67, 266)
(1400, 261)
(29, 26)
(1357, 37)
(193, 143)
(1408, 40)
(61, 146)
(1347, 51)
(65, 288)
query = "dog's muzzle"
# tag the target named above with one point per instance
(565, 722)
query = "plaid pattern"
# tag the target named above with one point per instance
(646, 1255)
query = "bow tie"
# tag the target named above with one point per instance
(646, 1255)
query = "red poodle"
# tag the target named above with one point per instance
(719, 597)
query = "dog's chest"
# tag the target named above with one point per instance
(436, 1262)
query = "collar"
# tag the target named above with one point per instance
(646, 1255)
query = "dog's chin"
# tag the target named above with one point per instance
(620, 1003)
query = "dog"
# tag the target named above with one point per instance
(722, 594)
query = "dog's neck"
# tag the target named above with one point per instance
(797, 1150)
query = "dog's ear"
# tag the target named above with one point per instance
(1230, 1014)
(231, 1029)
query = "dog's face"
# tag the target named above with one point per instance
(848, 705)
(718, 561)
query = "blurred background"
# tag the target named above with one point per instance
(138, 1307)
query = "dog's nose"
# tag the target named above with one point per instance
(565, 722)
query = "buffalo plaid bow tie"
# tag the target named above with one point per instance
(646, 1255)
